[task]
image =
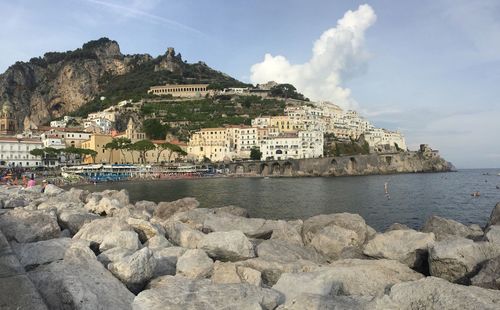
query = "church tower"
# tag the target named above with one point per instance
(8, 124)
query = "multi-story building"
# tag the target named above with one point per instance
(211, 143)
(381, 140)
(186, 90)
(8, 123)
(58, 124)
(15, 151)
(101, 125)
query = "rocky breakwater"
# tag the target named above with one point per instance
(79, 250)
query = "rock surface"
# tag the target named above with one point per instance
(435, 293)
(124, 239)
(444, 228)
(227, 246)
(28, 226)
(180, 293)
(135, 270)
(194, 264)
(457, 260)
(407, 246)
(232, 273)
(347, 277)
(32, 254)
(165, 210)
(489, 274)
(183, 235)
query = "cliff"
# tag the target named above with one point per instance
(61, 83)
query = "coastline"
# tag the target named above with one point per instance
(148, 255)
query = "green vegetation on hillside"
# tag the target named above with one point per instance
(184, 117)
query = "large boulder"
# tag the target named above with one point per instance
(457, 260)
(227, 246)
(272, 270)
(233, 210)
(290, 231)
(183, 235)
(251, 227)
(79, 282)
(435, 293)
(74, 219)
(489, 274)
(135, 270)
(348, 221)
(145, 229)
(347, 277)
(170, 292)
(33, 254)
(98, 229)
(227, 272)
(493, 234)
(495, 216)
(331, 240)
(103, 206)
(166, 260)
(279, 250)
(157, 242)
(165, 210)
(408, 246)
(194, 264)
(124, 239)
(52, 190)
(446, 228)
(28, 226)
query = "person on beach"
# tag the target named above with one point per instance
(31, 182)
(25, 181)
(44, 184)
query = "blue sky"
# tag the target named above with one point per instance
(428, 68)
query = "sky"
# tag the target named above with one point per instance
(428, 68)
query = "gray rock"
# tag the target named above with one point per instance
(331, 240)
(149, 206)
(397, 226)
(251, 227)
(444, 228)
(194, 264)
(232, 273)
(74, 219)
(135, 270)
(79, 282)
(407, 246)
(313, 301)
(290, 232)
(52, 190)
(169, 292)
(145, 229)
(495, 216)
(347, 277)
(457, 260)
(104, 206)
(435, 293)
(120, 239)
(183, 235)
(113, 255)
(347, 221)
(166, 260)
(279, 250)
(271, 270)
(493, 234)
(97, 230)
(164, 210)
(32, 254)
(158, 242)
(227, 246)
(29, 226)
(489, 274)
(233, 210)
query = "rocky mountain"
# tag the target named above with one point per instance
(61, 83)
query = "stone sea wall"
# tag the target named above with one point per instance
(79, 250)
(408, 162)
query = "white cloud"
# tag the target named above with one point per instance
(338, 54)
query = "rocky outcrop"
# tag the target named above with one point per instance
(194, 264)
(135, 270)
(489, 274)
(28, 226)
(445, 228)
(227, 246)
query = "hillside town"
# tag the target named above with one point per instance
(299, 132)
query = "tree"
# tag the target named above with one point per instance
(143, 146)
(122, 144)
(111, 146)
(154, 129)
(255, 154)
(163, 147)
(286, 91)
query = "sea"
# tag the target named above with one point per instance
(410, 199)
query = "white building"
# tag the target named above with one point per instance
(52, 141)
(301, 144)
(102, 125)
(58, 124)
(15, 151)
(381, 140)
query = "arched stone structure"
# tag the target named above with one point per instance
(287, 169)
(264, 169)
(276, 168)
